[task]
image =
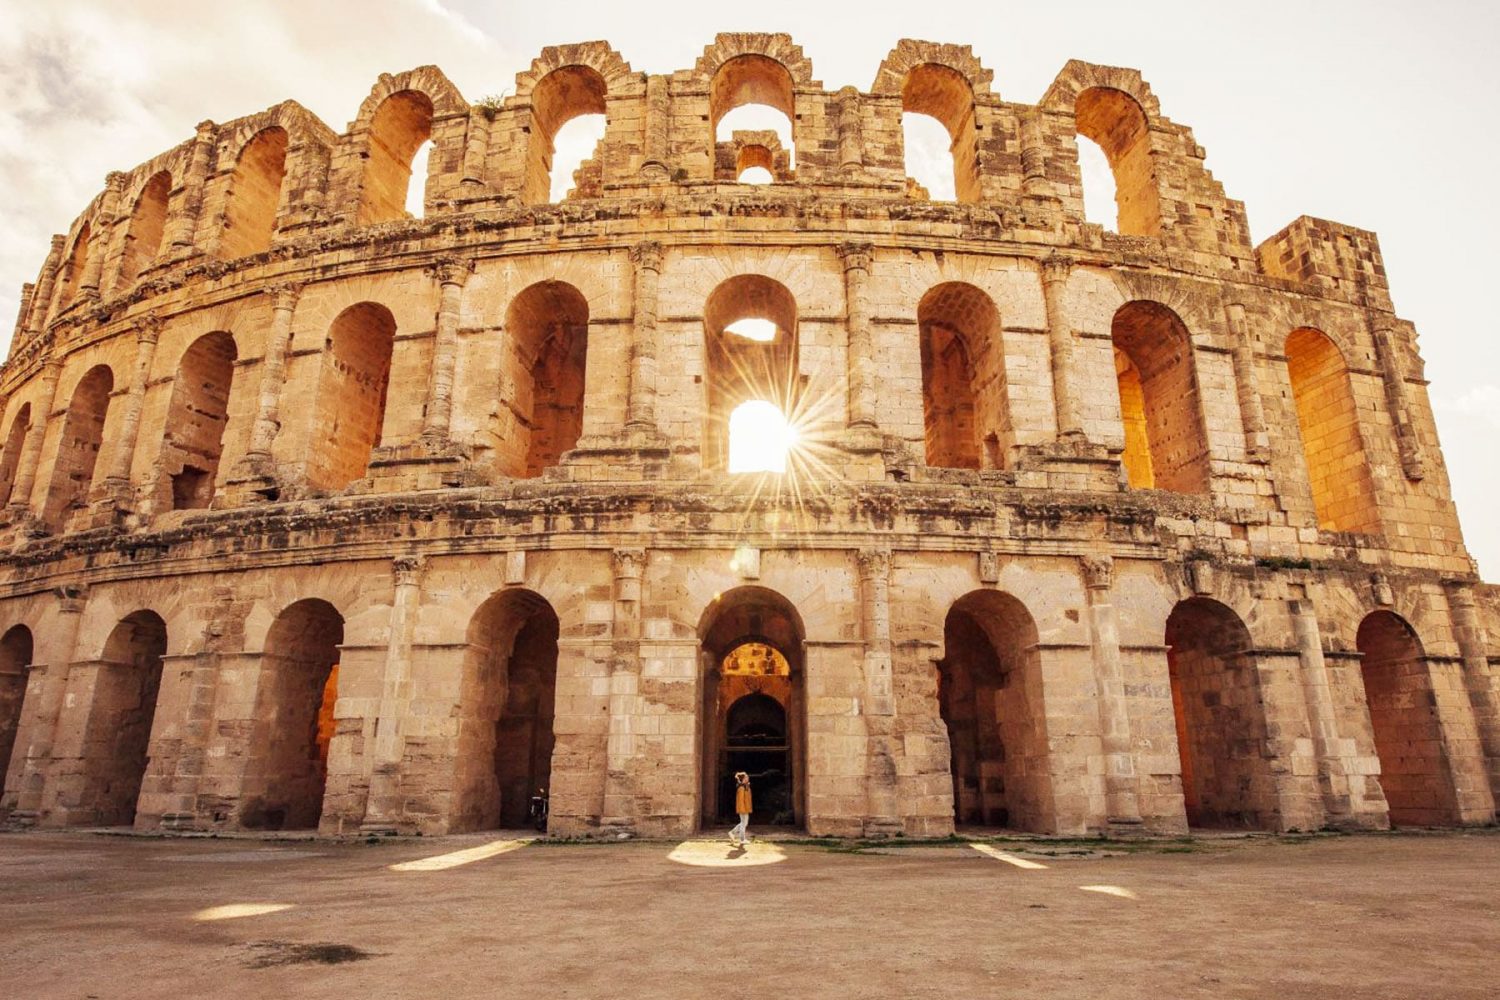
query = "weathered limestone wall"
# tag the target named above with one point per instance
(319, 514)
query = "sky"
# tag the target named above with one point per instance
(1365, 113)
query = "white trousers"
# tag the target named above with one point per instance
(742, 831)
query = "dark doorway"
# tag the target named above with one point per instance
(756, 742)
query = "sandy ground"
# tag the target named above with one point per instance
(1388, 916)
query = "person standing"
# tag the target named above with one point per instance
(742, 805)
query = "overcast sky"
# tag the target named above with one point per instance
(1375, 114)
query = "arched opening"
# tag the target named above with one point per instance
(753, 93)
(147, 223)
(1408, 736)
(506, 737)
(1116, 124)
(1166, 447)
(1328, 419)
(10, 459)
(965, 398)
(416, 184)
(989, 695)
(750, 326)
(286, 766)
(754, 164)
(352, 389)
(78, 449)
(567, 111)
(549, 327)
(399, 127)
(254, 194)
(948, 170)
(1098, 185)
(118, 738)
(15, 658)
(754, 707)
(196, 418)
(1221, 723)
(73, 267)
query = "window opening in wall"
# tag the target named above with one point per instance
(752, 93)
(753, 328)
(929, 160)
(1116, 124)
(147, 224)
(751, 390)
(398, 129)
(254, 195)
(760, 438)
(573, 148)
(944, 160)
(758, 118)
(10, 461)
(568, 121)
(416, 185)
(1098, 185)
(77, 261)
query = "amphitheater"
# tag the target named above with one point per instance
(319, 513)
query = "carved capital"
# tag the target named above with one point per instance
(1200, 575)
(629, 563)
(407, 570)
(647, 255)
(856, 256)
(989, 567)
(1056, 267)
(1380, 589)
(284, 296)
(874, 563)
(147, 328)
(451, 270)
(1098, 572)
(71, 597)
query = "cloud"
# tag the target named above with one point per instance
(1482, 401)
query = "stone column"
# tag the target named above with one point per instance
(1034, 181)
(41, 299)
(860, 364)
(451, 274)
(1322, 716)
(115, 488)
(654, 166)
(1120, 781)
(31, 451)
(851, 137)
(882, 815)
(640, 418)
(476, 142)
(104, 221)
(1055, 271)
(43, 708)
(182, 227)
(19, 333)
(1484, 691)
(383, 812)
(272, 376)
(1393, 375)
(1252, 413)
(624, 688)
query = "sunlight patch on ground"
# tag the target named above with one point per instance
(1110, 890)
(720, 854)
(442, 862)
(1006, 856)
(233, 911)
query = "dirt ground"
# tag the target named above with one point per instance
(1387, 916)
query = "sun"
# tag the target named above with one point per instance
(760, 438)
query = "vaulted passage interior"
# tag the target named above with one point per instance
(73, 267)
(117, 734)
(549, 327)
(10, 459)
(399, 127)
(1414, 770)
(943, 93)
(254, 195)
(147, 224)
(1166, 446)
(750, 331)
(1328, 419)
(754, 707)
(990, 696)
(1115, 122)
(196, 418)
(15, 658)
(965, 402)
(352, 386)
(292, 725)
(1221, 723)
(78, 446)
(764, 88)
(560, 97)
(507, 708)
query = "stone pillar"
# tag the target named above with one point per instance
(1120, 781)
(1034, 181)
(1393, 375)
(654, 166)
(19, 333)
(881, 815)
(41, 299)
(43, 709)
(115, 487)
(1479, 679)
(1252, 413)
(624, 688)
(640, 418)
(1055, 270)
(476, 142)
(104, 221)
(864, 425)
(851, 137)
(272, 376)
(451, 274)
(383, 807)
(31, 451)
(182, 227)
(1322, 716)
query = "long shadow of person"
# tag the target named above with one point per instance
(736, 852)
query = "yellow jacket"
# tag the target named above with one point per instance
(742, 799)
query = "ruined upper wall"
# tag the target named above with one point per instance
(252, 188)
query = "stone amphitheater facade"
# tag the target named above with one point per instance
(318, 514)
